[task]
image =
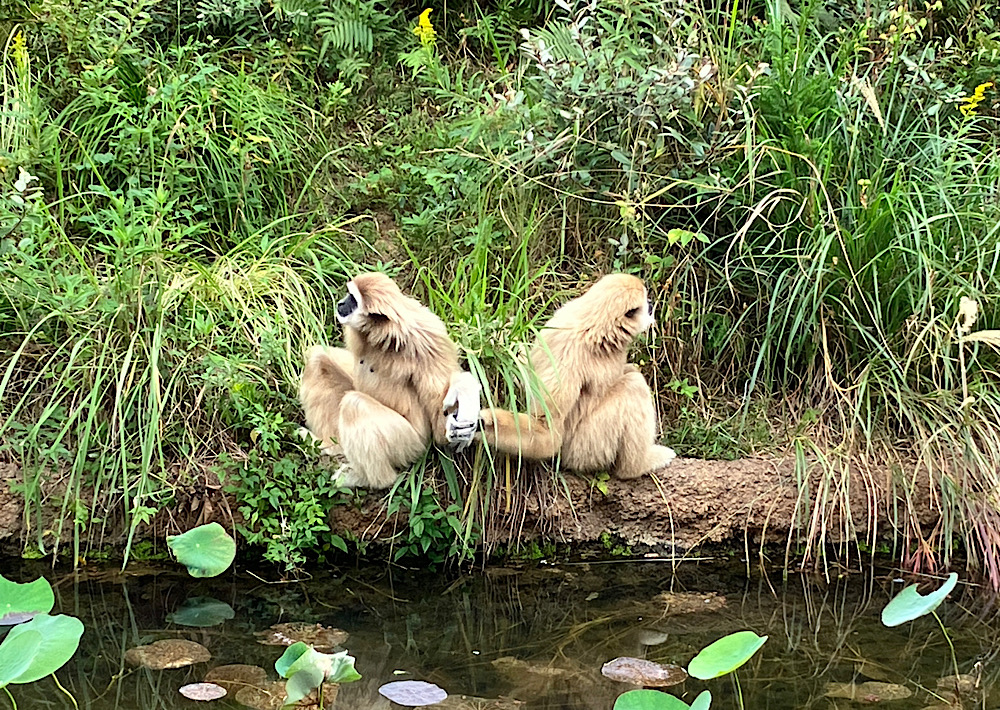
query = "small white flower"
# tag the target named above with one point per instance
(24, 178)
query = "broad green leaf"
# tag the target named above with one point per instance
(703, 701)
(725, 655)
(302, 682)
(60, 639)
(649, 700)
(342, 668)
(19, 602)
(289, 657)
(207, 550)
(17, 654)
(202, 612)
(909, 604)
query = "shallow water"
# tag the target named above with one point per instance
(539, 635)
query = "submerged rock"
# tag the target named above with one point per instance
(645, 673)
(868, 692)
(323, 639)
(237, 676)
(169, 653)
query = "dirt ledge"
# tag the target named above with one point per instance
(693, 502)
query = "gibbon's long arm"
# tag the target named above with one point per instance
(538, 435)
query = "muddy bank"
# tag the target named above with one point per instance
(693, 502)
(739, 503)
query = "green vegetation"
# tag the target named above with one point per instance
(809, 190)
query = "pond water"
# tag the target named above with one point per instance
(537, 635)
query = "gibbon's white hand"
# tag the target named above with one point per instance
(461, 410)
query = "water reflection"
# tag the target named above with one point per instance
(538, 636)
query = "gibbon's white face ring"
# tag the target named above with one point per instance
(351, 310)
(646, 319)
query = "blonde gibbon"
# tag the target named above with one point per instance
(598, 412)
(397, 385)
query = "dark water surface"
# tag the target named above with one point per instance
(539, 635)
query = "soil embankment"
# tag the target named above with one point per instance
(742, 503)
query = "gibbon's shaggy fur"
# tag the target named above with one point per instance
(598, 411)
(396, 385)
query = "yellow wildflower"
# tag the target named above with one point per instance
(969, 105)
(424, 29)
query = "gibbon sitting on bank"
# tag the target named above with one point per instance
(598, 412)
(397, 385)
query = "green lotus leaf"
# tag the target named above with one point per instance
(703, 701)
(20, 602)
(207, 550)
(725, 655)
(60, 639)
(909, 604)
(17, 654)
(649, 700)
(202, 612)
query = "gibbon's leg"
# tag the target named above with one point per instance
(520, 434)
(619, 433)
(325, 381)
(376, 440)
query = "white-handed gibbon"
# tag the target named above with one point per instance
(597, 412)
(397, 385)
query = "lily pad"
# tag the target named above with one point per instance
(20, 602)
(60, 637)
(725, 655)
(17, 654)
(868, 692)
(237, 676)
(166, 654)
(641, 672)
(206, 551)
(320, 637)
(910, 604)
(202, 691)
(202, 612)
(413, 693)
(649, 700)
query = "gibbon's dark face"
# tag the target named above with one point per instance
(347, 306)
(351, 309)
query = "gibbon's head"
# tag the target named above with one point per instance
(389, 319)
(371, 300)
(612, 313)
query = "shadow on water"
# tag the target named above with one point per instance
(536, 635)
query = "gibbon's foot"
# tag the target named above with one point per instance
(331, 449)
(661, 457)
(461, 409)
(460, 433)
(346, 477)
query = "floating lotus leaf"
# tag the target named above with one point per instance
(703, 701)
(868, 692)
(202, 612)
(649, 700)
(641, 672)
(169, 653)
(320, 637)
(206, 551)
(21, 602)
(17, 654)
(725, 655)
(237, 676)
(413, 693)
(202, 691)
(60, 639)
(910, 604)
